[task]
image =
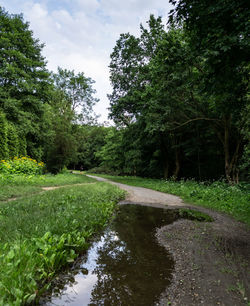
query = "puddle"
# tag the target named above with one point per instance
(126, 266)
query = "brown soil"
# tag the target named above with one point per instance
(56, 187)
(212, 260)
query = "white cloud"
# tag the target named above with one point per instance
(80, 34)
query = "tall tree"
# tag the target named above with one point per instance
(218, 30)
(60, 145)
(70, 103)
(78, 92)
(23, 79)
(4, 152)
(129, 71)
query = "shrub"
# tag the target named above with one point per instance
(22, 165)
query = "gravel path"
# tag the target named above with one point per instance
(140, 195)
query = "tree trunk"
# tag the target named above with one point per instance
(177, 164)
(231, 170)
(166, 169)
(164, 150)
(227, 122)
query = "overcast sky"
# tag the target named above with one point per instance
(81, 34)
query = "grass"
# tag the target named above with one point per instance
(231, 199)
(41, 234)
(12, 186)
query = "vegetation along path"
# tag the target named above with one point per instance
(212, 259)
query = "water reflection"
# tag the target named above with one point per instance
(126, 266)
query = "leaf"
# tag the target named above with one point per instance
(31, 298)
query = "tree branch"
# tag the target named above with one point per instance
(191, 120)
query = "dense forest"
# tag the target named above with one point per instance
(180, 100)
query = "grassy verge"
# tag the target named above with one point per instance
(12, 185)
(233, 200)
(43, 233)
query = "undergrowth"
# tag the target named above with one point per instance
(42, 234)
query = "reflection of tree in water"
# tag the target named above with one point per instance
(132, 269)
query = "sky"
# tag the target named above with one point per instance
(80, 34)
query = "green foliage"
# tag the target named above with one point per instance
(22, 148)
(70, 93)
(231, 199)
(43, 108)
(13, 143)
(120, 155)
(77, 91)
(23, 79)
(3, 137)
(22, 165)
(186, 86)
(34, 249)
(89, 140)
(111, 154)
(245, 161)
(194, 215)
(218, 32)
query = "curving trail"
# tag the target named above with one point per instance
(140, 195)
(212, 260)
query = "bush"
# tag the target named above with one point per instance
(22, 165)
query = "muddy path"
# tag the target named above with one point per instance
(212, 260)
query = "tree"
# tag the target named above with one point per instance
(78, 92)
(4, 153)
(23, 79)
(171, 84)
(13, 141)
(89, 140)
(111, 154)
(129, 71)
(153, 83)
(60, 146)
(218, 31)
(68, 95)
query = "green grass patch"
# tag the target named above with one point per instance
(43, 233)
(194, 215)
(231, 199)
(12, 185)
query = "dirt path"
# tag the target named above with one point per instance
(48, 188)
(142, 195)
(212, 260)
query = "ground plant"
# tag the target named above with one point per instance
(231, 199)
(21, 165)
(42, 233)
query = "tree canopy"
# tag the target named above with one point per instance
(179, 98)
